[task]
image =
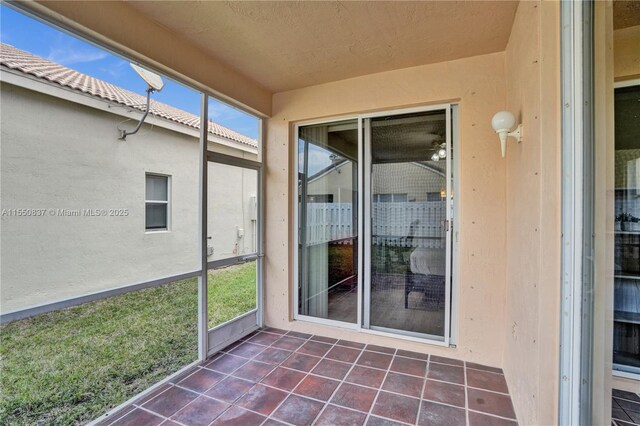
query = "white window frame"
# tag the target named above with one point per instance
(167, 203)
(451, 321)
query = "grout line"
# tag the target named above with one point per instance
(274, 365)
(494, 415)
(466, 394)
(384, 379)
(625, 399)
(424, 384)
(301, 380)
(485, 390)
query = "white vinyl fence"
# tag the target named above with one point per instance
(405, 224)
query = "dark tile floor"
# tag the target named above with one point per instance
(625, 408)
(273, 377)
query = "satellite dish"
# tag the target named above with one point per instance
(154, 84)
(152, 79)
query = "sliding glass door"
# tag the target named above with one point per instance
(407, 224)
(328, 221)
(374, 223)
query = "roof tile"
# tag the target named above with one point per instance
(27, 63)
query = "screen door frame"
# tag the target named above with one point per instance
(365, 189)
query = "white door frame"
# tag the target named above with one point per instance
(230, 331)
(364, 222)
(576, 319)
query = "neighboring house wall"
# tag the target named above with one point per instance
(477, 83)
(337, 182)
(58, 153)
(403, 178)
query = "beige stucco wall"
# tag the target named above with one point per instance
(72, 159)
(531, 323)
(478, 85)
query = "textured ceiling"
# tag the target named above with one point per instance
(626, 13)
(288, 45)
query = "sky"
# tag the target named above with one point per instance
(33, 36)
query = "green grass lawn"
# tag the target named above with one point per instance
(73, 365)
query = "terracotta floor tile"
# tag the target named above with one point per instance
(275, 378)
(333, 369)
(414, 367)
(379, 421)
(618, 413)
(261, 399)
(341, 353)
(410, 354)
(484, 367)
(200, 412)
(250, 335)
(396, 407)
(627, 405)
(433, 414)
(377, 348)
(298, 334)
(338, 416)
(253, 371)
(490, 402)
(230, 389)
(236, 416)
(283, 378)
(298, 410)
(317, 387)
(374, 359)
(626, 395)
(167, 403)
(444, 360)
(366, 376)
(350, 344)
(314, 348)
(138, 417)
(401, 383)
(153, 394)
(272, 356)
(301, 362)
(323, 339)
(273, 422)
(116, 416)
(354, 396)
(479, 419)
(446, 373)
(447, 393)
(247, 350)
(264, 338)
(226, 363)
(231, 346)
(289, 343)
(486, 380)
(201, 380)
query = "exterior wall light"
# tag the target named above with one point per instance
(502, 122)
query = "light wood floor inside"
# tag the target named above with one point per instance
(424, 315)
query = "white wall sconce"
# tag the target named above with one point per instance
(502, 122)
